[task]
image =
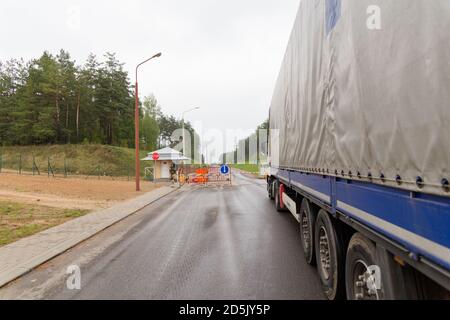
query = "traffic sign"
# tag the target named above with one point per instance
(224, 169)
(155, 156)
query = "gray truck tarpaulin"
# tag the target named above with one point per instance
(365, 88)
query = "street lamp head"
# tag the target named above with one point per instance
(190, 110)
(140, 64)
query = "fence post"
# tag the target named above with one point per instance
(49, 168)
(65, 168)
(34, 167)
(20, 164)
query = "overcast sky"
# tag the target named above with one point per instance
(222, 56)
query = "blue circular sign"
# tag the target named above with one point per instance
(224, 169)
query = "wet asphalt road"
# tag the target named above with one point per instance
(204, 243)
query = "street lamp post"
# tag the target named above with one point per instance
(184, 144)
(136, 125)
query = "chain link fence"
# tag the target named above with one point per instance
(57, 166)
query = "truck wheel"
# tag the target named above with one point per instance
(329, 257)
(362, 271)
(307, 224)
(270, 189)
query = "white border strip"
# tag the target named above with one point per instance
(318, 194)
(291, 205)
(424, 244)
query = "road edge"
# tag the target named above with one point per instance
(17, 270)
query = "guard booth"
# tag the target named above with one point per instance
(164, 163)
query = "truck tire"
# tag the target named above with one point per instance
(362, 272)
(307, 231)
(329, 257)
(270, 189)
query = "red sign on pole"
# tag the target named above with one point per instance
(155, 156)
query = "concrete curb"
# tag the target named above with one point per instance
(21, 257)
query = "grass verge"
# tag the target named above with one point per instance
(79, 159)
(251, 168)
(18, 221)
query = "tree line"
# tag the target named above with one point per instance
(52, 100)
(253, 148)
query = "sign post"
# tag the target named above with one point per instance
(155, 157)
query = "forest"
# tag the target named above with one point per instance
(53, 100)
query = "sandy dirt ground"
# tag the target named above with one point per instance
(70, 193)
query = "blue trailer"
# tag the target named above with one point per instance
(407, 231)
(360, 145)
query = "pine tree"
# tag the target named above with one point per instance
(52, 100)
(149, 127)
